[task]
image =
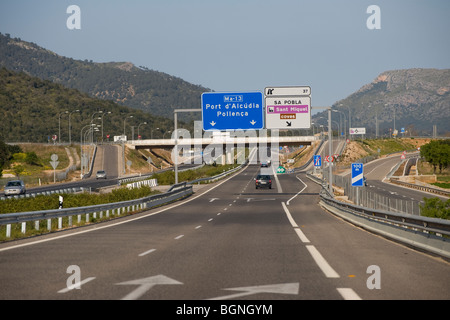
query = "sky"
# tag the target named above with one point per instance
(245, 45)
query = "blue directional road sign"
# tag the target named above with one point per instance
(317, 161)
(232, 111)
(357, 175)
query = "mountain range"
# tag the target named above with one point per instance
(140, 88)
(413, 99)
(417, 100)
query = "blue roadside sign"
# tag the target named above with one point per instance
(232, 111)
(357, 175)
(317, 161)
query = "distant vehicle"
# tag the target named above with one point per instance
(15, 187)
(264, 165)
(262, 181)
(101, 174)
(365, 181)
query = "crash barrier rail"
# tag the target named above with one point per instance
(87, 175)
(44, 193)
(116, 208)
(421, 188)
(138, 184)
(428, 234)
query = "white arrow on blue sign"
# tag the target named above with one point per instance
(232, 111)
(357, 175)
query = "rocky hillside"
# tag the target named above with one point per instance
(140, 88)
(418, 98)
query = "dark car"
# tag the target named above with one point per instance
(263, 181)
(15, 187)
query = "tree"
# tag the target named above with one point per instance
(437, 153)
(435, 208)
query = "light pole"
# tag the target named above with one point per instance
(109, 112)
(70, 127)
(139, 126)
(59, 116)
(345, 119)
(349, 117)
(152, 132)
(92, 120)
(124, 123)
(83, 156)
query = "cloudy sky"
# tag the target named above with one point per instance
(245, 45)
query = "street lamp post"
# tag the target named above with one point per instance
(109, 112)
(124, 123)
(59, 116)
(151, 133)
(139, 126)
(349, 117)
(70, 127)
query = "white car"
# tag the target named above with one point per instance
(15, 187)
(100, 174)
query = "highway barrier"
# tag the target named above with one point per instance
(428, 234)
(88, 213)
(421, 188)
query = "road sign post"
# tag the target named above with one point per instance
(54, 164)
(357, 178)
(288, 107)
(232, 111)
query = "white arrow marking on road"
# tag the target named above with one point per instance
(282, 288)
(213, 199)
(146, 284)
(212, 123)
(76, 285)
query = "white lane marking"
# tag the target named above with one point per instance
(279, 189)
(348, 294)
(125, 221)
(179, 237)
(210, 219)
(299, 232)
(321, 262)
(305, 186)
(301, 235)
(219, 214)
(198, 227)
(146, 252)
(76, 285)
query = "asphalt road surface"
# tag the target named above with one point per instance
(227, 241)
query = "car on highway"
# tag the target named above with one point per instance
(101, 174)
(264, 165)
(15, 187)
(263, 181)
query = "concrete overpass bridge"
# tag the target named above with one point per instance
(237, 141)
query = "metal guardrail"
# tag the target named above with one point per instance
(429, 234)
(421, 188)
(110, 208)
(44, 193)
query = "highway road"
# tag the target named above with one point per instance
(227, 241)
